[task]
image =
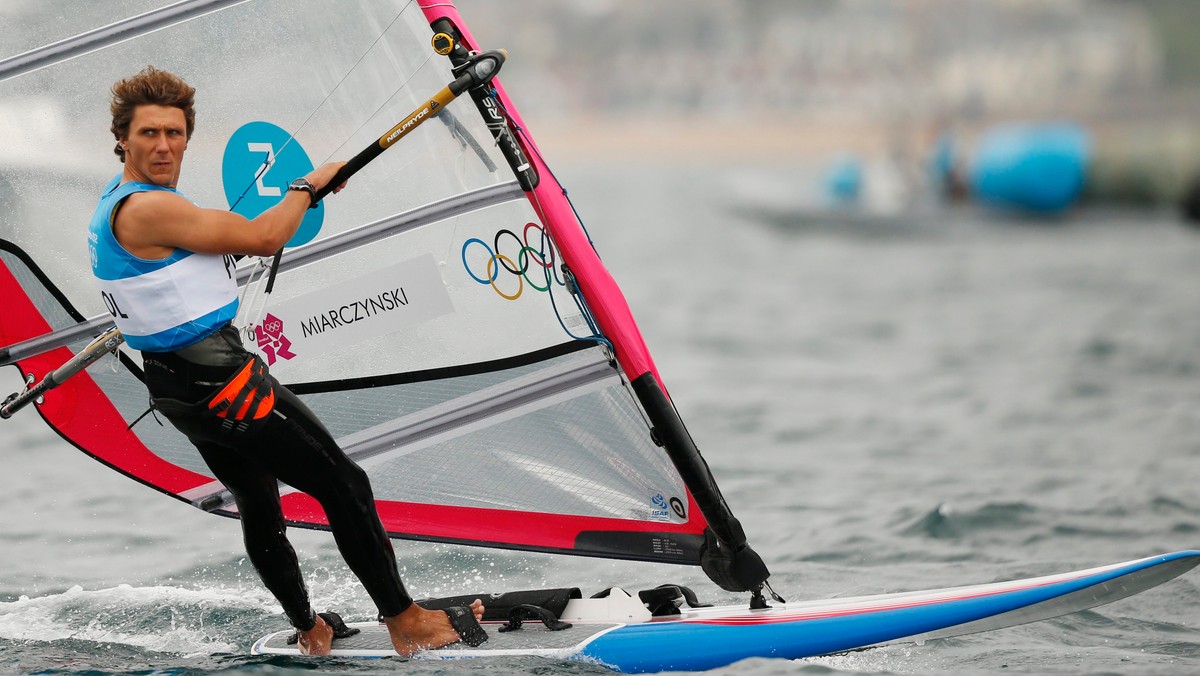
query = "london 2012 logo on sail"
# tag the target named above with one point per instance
(510, 263)
(271, 340)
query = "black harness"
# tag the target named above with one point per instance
(239, 405)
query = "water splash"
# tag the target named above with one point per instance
(157, 618)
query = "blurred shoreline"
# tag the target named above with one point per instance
(860, 129)
(1143, 153)
(799, 138)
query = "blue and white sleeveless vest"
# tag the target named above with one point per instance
(164, 304)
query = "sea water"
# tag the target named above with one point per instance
(945, 399)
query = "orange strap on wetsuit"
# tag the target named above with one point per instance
(248, 396)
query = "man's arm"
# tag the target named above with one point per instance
(152, 224)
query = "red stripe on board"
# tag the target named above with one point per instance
(530, 529)
(78, 409)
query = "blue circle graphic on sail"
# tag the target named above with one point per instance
(258, 165)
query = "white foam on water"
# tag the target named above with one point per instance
(120, 615)
(899, 659)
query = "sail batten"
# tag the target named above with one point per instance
(450, 207)
(55, 339)
(460, 415)
(105, 36)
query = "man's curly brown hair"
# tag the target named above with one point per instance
(149, 87)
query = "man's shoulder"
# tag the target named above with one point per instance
(150, 202)
(152, 193)
(144, 213)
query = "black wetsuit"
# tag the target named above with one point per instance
(292, 446)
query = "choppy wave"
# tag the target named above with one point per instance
(160, 619)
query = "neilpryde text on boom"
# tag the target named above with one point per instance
(411, 121)
(354, 312)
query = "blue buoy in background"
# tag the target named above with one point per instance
(843, 180)
(1032, 167)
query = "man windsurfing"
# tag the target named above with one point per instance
(166, 271)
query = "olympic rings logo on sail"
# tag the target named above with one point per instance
(530, 267)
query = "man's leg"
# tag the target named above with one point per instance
(256, 492)
(300, 452)
(307, 458)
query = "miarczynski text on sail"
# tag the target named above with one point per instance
(356, 311)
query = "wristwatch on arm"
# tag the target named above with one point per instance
(303, 184)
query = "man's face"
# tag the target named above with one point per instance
(155, 145)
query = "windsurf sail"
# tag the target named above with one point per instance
(447, 316)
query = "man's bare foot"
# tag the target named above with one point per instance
(316, 641)
(418, 629)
